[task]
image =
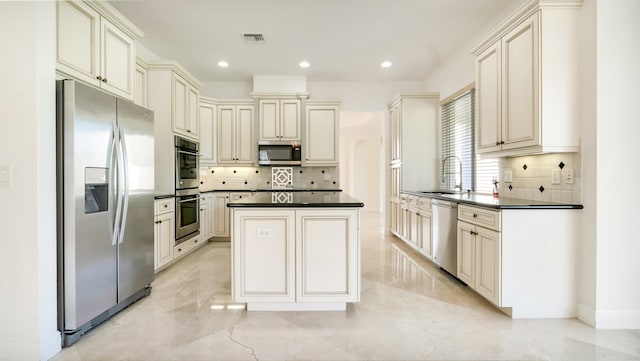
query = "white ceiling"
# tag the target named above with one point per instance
(344, 40)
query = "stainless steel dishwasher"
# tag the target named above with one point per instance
(445, 245)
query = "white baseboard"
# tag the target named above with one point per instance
(587, 314)
(626, 320)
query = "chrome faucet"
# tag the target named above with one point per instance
(444, 162)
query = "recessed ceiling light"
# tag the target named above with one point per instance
(304, 64)
(223, 64)
(386, 64)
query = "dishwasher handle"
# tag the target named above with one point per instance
(441, 203)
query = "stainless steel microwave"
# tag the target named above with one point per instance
(279, 153)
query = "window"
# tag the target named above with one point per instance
(461, 167)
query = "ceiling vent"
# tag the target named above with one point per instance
(253, 37)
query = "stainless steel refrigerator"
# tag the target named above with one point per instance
(105, 195)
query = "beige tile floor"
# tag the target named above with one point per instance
(409, 310)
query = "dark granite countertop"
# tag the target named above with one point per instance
(315, 199)
(271, 190)
(485, 200)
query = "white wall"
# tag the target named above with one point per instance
(27, 215)
(587, 248)
(618, 127)
(361, 152)
(227, 89)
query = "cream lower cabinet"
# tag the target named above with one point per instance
(220, 223)
(206, 216)
(164, 232)
(479, 260)
(221, 214)
(295, 259)
(425, 228)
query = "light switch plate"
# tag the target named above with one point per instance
(556, 175)
(5, 175)
(507, 176)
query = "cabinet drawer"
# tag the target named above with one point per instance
(164, 206)
(424, 203)
(480, 216)
(185, 247)
(412, 201)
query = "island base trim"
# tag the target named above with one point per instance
(301, 306)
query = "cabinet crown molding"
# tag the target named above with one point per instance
(261, 95)
(400, 96)
(526, 10)
(108, 11)
(177, 68)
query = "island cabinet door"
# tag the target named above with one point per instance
(327, 256)
(263, 256)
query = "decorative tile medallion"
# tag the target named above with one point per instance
(282, 197)
(281, 177)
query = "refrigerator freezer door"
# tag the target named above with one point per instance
(136, 247)
(89, 257)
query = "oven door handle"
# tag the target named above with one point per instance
(189, 199)
(185, 152)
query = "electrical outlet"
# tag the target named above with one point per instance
(507, 176)
(264, 233)
(568, 175)
(556, 175)
(5, 175)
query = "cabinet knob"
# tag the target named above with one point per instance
(502, 142)
(188, 130)
(99, 77)
(157, 222)
(179, 249)
(475, 215)
(104, 80)
(166, 205)
(497, 143)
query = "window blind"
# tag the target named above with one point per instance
(460, 166)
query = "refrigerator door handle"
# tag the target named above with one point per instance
(114, 174)
(125, 178)
(118, 182)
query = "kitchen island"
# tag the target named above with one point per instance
(295, 251)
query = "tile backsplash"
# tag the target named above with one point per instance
(532, 177)
(221, 178)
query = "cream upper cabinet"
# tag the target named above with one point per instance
(185, 108)
(93, 49)
(163, 99)
(279, 120)
(527, 83)
(235, 138)
(141, 96)
(395, 131)
(488, 100)
(320, 145)
(208, 112)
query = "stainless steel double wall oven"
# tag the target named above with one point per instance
(187, 191)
